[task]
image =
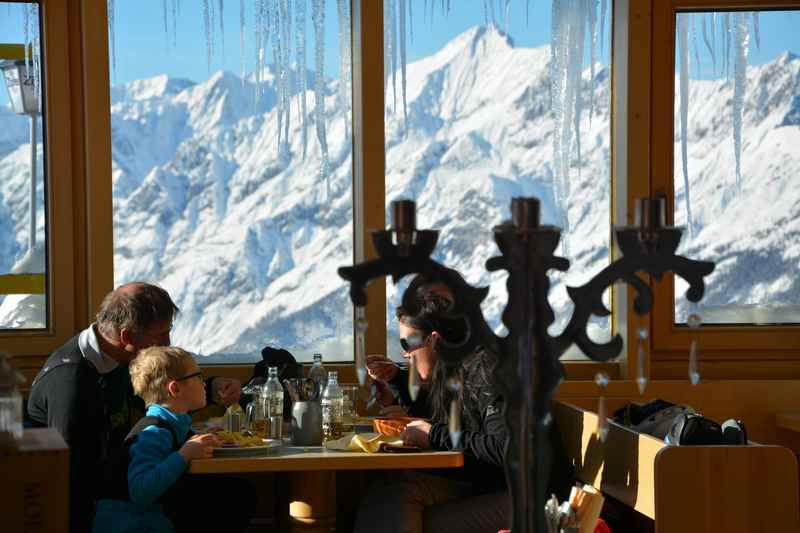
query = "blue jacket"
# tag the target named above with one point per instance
(154, 468)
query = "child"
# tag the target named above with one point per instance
(159, 448)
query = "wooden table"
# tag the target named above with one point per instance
(312, 483)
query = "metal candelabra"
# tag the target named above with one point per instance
(529, 368)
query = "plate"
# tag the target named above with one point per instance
(270, 447)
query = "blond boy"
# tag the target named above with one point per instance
(141, 484)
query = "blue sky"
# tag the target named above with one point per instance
(145, 50)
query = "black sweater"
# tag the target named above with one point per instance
(92, 411)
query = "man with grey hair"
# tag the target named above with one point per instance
(84, 389)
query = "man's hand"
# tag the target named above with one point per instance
(380, 368)
(199, 447)
(417, 434)
(226, 391)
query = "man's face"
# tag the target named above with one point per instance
(156, 335)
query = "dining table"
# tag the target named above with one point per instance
(312, 475)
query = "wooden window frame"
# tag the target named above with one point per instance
(725, 350)
(80, 197)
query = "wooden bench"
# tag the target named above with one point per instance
(731, 489)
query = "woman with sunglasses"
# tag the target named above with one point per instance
(472, 498)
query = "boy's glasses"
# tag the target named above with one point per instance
(412, 342)
(198, 375)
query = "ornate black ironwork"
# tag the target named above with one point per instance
(529, 369)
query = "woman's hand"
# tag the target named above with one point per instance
(417, 433)
(199, 447)
(380, 368)
(226, 391)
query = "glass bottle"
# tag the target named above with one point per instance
(10, 404)
(273, 396)
(256, 413)
(332, 409)
(318, 375)
(234, 418)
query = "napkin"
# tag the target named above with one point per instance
(362, 442)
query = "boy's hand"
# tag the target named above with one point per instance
(199, 447)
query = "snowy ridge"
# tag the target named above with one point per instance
(247, 238)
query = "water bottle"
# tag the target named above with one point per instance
(10, 404)
(332, 410)
(274, 404)
(318, 375)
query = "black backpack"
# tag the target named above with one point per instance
(115, 470)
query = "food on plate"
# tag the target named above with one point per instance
(228, 439)
(392, 426)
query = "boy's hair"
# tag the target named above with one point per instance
(154, 367)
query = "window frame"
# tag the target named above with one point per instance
(75, 41)
(725, 347)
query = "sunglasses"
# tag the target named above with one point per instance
(412, 342)
(198, 375)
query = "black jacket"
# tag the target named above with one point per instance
(92, 411)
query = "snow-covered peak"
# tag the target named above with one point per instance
(156, 87)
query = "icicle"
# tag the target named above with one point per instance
(276, 29)
(258, 14)
(392, 6)
(32, 45)
(318, 19)
(506, 14)
(344, 62)
(207, 30)
(694, 322)
(683, 41)
(286, 57)
(242, 28)
(175, 4)
(403, 62)
(413, 379)
(726, 39)
(212, 25)
(528, 11)
(222, 26)
(709, 47)
(300, 33)
(112, 36)
(756, 30)
(641, 375)
(485, 13)
(603, 10)
(411, 20)
(592, 14)
(693, 19)
(166, 21)
(361, 347)
(601, 379)
(742, 41)
(713, 32)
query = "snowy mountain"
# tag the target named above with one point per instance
(247, 240)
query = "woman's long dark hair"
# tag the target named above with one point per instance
(432, 316)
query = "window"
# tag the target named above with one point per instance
(737, 129)
(476, 110)
(23, 177)
(737, 218)
(232, 187)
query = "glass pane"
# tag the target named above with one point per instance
(474, 116)
(232, 188)
(737, 190)
(23, 212)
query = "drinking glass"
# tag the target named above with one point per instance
(350, 393)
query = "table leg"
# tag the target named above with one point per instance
(312, 501)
